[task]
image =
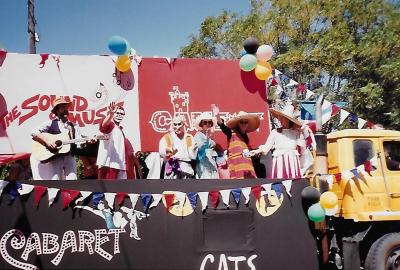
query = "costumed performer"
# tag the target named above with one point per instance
(178, 150)
(236, 129)
(206, 167)
(116, 159)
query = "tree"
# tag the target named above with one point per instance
(348, 50)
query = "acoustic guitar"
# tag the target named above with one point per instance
(63, 142)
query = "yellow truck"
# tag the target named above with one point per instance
(364, 233)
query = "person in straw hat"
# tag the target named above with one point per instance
(178, 149)
(206, 167)
(285, 141)
(236, 129)
(61, 166)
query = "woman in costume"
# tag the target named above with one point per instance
(286, 142)
(236, 129)
(206, 167)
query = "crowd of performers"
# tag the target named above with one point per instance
(182, 155)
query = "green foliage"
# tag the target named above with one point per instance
(348, 50)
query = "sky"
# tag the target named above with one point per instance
(83, 27)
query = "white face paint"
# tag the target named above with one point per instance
(178, 127)
(119, 115)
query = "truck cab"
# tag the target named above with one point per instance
(365, 231)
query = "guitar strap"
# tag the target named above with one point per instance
(71, 131)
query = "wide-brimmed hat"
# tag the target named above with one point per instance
(58, 101)
(287, 112)
(253, 119)
(204, 116)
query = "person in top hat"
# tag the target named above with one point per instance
(116, 159)
(285, 141)
(236, 129)
(206, 167)
(178, 150)
(61, 166)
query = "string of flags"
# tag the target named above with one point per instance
(287, 88)
(353, 174)
(149, 201)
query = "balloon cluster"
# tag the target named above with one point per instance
(320, 205)
(256, 58)
(120, 47)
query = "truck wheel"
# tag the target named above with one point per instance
(384, 253)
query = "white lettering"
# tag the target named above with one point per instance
(50, 239)
(99, 241)
(208, 257)
(68, 241)
(236, 259)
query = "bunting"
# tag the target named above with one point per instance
(15, 189)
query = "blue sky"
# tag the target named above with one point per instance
(83, 27)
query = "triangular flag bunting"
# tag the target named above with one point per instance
(347, 175)
(256, 190)
(301, 88)
(326, 111)
(353, 118)
(3, 184)
(12, 190)
(120, 197)
(246, 194)
(370, 124)
(181, 197)
(25, 189)
(96, 198)
(361, 123)
(134, 198)
(338, 177)
(335, 109)
(236, 195)
(52, 194)
(368, 167)
(309, 94)
(214, 198)
(84, 195)
(67, 196)
(39, 192)
(278, 189)
(156, 200)
(203, 199)
(146, 199)
(288, 186)
(343, 115)
(329, 180)
(355, 172)
(110, 198)
(169, 200)
(193, 199)
(225, 195)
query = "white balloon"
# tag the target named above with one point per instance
(264, 52)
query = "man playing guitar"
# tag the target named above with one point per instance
(61, 166)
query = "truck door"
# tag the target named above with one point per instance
(391, 159)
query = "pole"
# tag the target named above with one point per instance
(31, 26)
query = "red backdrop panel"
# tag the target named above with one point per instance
(189, 87)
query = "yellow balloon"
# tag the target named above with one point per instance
(263, 70)
(123, 63)
(328, 200)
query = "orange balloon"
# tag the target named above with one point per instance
(263, 70)
(123, 63)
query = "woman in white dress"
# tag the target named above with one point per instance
(286, 142)
(206, 167)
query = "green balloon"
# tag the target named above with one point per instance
(316, 213)
(248, 62)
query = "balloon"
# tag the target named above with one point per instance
(316, 213)
(242, 53)
(251, 45)
(123, 63)
(328, 200)
(118, 45)
(331, 211)
(310, 195)
(264, 53)
(248, 62)
(263, 70)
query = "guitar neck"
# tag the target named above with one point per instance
(75, 140)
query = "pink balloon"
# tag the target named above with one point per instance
(264, 52)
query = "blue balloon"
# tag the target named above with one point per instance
(242, 53)
(118, 45)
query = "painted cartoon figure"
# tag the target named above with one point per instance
(117, 219)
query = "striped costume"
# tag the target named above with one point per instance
(240, 167)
